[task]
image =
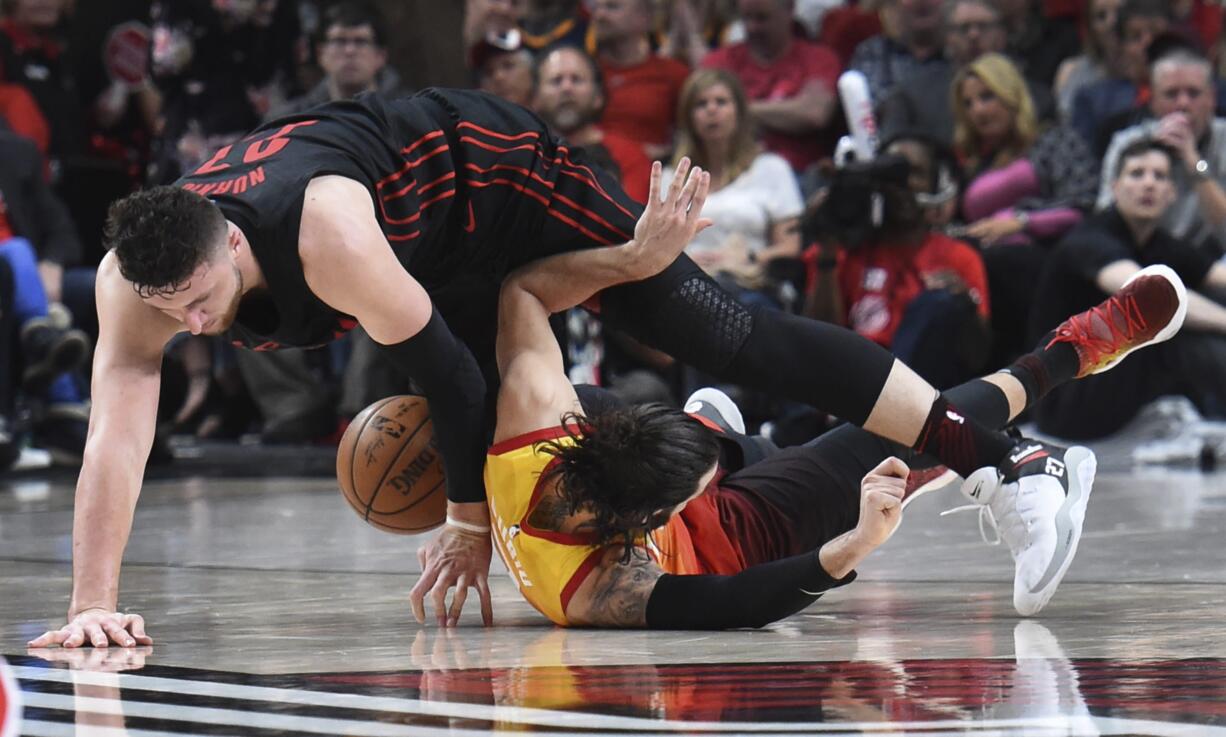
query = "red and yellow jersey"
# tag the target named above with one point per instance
(548, 566)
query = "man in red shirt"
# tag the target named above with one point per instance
(908, 287)
(790, 82)
(570, 98)
(641, 87)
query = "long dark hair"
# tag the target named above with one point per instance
(629, 466)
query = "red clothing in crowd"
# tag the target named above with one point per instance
(878, 282)
(634, 164)
(781, 80)
(641, 100)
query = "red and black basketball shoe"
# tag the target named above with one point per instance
(1148, 309)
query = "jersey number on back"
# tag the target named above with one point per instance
(257, 150)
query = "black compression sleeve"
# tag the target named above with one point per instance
(755, 597)
(448, 375)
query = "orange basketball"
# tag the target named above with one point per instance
(390, 469)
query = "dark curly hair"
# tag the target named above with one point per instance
(628, 464)
(161, 235)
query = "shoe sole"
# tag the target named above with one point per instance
(723, 406)
(940, 482)
(1172, 327)
(1081, 466)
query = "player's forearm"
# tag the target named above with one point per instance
(840, 556)
(568, 279)
(796, 115)
(106, 496)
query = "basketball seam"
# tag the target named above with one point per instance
(392, 465)
(353, 455)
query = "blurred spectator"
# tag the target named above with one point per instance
(909, 288)
(1182, 102)
(1138, 22)
(37, 241)
(20, 114)
(911, 40)
(546, 23)
(505, 68)
(846, 27)
(972, 28)
(790, 82)
(215, 62)
(292, 388)
(641, 86)
(111, 44)
(485, 18)
(33, 55)
(570, 98)
(10, 448)
(1098, 258)
(1025, 188)
(1200, 20)
(695, 27)
(1038, 43)
(754, 202)
(353, 56)
(1100, 53)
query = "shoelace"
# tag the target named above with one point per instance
(985, 511)
(1080, 328)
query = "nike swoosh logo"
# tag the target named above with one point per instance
(472, 220)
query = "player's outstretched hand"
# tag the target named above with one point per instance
(667, 227)
(456, 558)
(881, 493)
(97, 627)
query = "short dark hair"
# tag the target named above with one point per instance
(354, 15)
(626, 465)
(161, 235)
(1141, 9)
(1140, 148)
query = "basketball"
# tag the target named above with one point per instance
(390, 469)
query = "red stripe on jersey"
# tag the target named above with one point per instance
(550, 185)
(564, 153)
(581, 573)
(498, 149)
(517, 186)
(420, 141)
(407, 237)
(588, 213)
(509, 167)
(449, 175)
(500, 136)
(408, 165)
(400, 192)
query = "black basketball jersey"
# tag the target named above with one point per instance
(465, 186)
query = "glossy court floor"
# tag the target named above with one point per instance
(275, 610)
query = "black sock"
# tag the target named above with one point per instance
(1045, 368)
(959, 441)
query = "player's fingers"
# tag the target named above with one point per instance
(417, 595)
(457, 600)
(700, 197)
(891, 466)
(653, 189)
(687, 192)
(96, 636)
(136, 625)
(674, 188)
(74, 636)
(438, 600)
(421, 557)
(487, 602)
(48, 638)
(703, 224)
(117, 633)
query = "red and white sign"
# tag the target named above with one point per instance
(126, 53)
(10, 702)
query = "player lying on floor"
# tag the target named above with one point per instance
(626, 518)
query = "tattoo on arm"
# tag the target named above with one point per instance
(619, 594)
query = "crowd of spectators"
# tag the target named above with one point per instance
(1051, 149)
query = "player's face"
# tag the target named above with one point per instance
(987, 113)
(207, 301)
(1144, 189)
(566, 96)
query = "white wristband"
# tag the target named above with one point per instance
(468, 526)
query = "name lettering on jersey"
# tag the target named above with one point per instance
(235, 185)
(504, 535)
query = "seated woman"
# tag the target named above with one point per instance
(1026, 188)
(755, 202)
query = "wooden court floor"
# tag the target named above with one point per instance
(275, 610)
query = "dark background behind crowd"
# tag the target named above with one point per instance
(1016, 122)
